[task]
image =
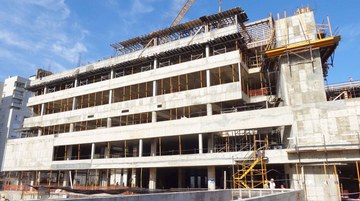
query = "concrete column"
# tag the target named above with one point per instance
(66, 178)
(68, 152)
(200, 144)
(135, 151)
(71, 129)
(74, 98)
(38, 175)
(111, 73)
(207, 78)
(154, 82)
(140, 147)
(207, 51)
(154, 88)
(153, 147)
(42, 109)
(211, 177)
(208, 109)
(115, 177)
(153, 117)
(75, 82)
(92, 150)
(39, 132)
(74, 103)
(124, 177)
(180, 178)
(108, 123)
(106, 150)
(110, 96)
(211, 143)
(133, 177)
(156, 63)
(152, 178)
(32, 180)
(45, 90)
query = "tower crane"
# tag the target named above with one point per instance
(185, 8)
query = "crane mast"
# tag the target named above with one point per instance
(186, 7)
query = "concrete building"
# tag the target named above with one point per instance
(211, 103)
(13, 109)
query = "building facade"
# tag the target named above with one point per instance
(13, 109)
(211, 103)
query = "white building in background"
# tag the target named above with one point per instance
(13, 109)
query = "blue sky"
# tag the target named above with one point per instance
(51, 34)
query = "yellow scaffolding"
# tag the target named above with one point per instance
(251, 171)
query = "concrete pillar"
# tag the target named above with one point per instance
(110, 96)
(75, 82)
(133, 177)
(200, 144)
(124, 177)
(38, 175)
(71, 129)
(111, 73)
(66, 179)
(74, 98)
(154, 88)
(156, 63)
(208, 78)
(207, 51)
(74, 103)
(115, 177)
(135, 151)
(92, 150)
(211, 143)
(32, 180)
(108, 123)
(68, 152)
(153, 147)
(211, 177)
(42, 109)
(152, 178)
(208, 109)
(153, 117)
(39, 132)
(180, 178)
(106, 151)
(154, 82)
(140, 147)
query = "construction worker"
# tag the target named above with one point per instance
(272, 184)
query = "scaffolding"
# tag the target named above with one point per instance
(251, 169)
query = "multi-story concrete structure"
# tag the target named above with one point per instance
(186, 106)
(13, 109)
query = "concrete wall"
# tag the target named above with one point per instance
(269, 195)
(294, 29)
(318, 183)
(217, 195)
(332, 123)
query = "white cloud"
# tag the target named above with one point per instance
(43, 32)
(13, 40)
(71, 54)
(141, 7)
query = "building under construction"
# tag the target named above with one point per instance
(215, 102)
